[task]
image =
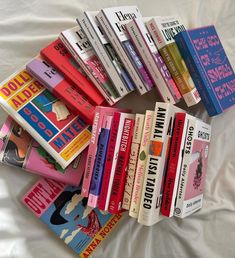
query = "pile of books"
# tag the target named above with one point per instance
(97, 161)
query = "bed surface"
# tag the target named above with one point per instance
(26, 27)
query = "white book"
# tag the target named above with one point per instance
(105, 52)
(153, 61)
(160, 138)
(79, 46)
(112, 20)
(140, 168)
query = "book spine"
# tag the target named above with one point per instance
(144, 147)
(102, 202)
(119, 179)
(105, 56)
(133, 158)
(185, 167)
(175, 159)
(99, 163)
(199, 76)
(122, 54)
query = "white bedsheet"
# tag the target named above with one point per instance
(26, 27)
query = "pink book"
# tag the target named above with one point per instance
(100, 112)
(17, 148)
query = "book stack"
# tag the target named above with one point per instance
(96, 160)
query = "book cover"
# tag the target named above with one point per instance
(174, 164)
(106, 53)
(100, 112)
(133, 158)
(61, 88)
(209, 67)
(111, 158)
(156, 165)
(76, 40)
(163, 30)
(112, 20)
(57, 55)
(63, 209)
(193, 168)
(117, 191)
(60, 132)
(19, 149)
(99, 162)
(154, 63)
(141, 163)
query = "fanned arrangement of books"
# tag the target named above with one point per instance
(98, 161)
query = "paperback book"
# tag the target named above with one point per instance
(59, 131)
(19, 149)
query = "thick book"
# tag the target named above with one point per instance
(141, 163)
(209, 67)
(106, 53)
(111, 158)
(100, 113)
(163, 30)
(63, 209)
(57, 55)
(99, 162)
(133, 158)
(156, 165)
(61, 88)
(174, 164)
(193, 168)
(151, 58)
(78, 44)
(19, 149)
(112, 20)
(117, 192)
(59, 131)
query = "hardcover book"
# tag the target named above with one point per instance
(156, 165)
(193, 168)
(63, 209)
(76, 41)
(17, 148)
(141, 163)
(163, 30)
(112, 20)
(209, 67)
(154, 63)
(61, 88)
(133, 158)
(57, 55)
(60, 132)
(106, 53)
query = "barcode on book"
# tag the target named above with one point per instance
(169, 24)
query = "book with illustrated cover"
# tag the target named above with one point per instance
(163, 30)
(112, 20)
(58, 56)
(63, 209)
(77, 42)
(60, 132)
(133, 158)
(61, 88)
(209, 67)
(193, 168)
(106, 53)
(17, 148)
(148, 52)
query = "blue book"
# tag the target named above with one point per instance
(99, 162)
(209, 67)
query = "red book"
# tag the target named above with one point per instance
(174, 164)
(115, 202)
(109, 161)
(60, 58)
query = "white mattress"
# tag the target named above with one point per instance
(26, 27)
